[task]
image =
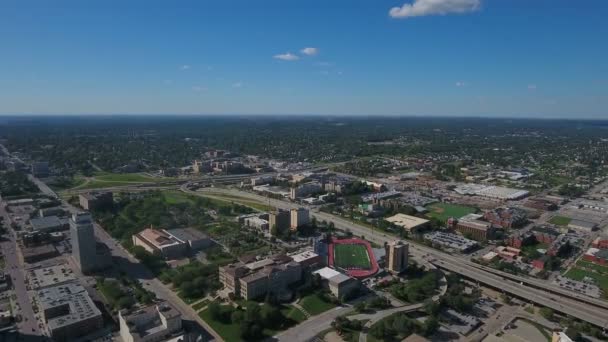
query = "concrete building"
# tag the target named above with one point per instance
(68, 311)
(96, 200)
(256, 279)
(408, 222)
(194, 238)
(495, 192)
(279, 220)
(38, 253)
(230, 276)
(476, 229)
(40, 169)
(339, 284)
(451, 241)
(40, 278)
(308, 259)
(506, 217)
(396, 256)
(261, 180)
(256, 222)
(270, 279)
(305, 190)
(582, 225)
(161, 243)
(597, 256)
(49, 224)
(158, 322)
(84, 246)
(299, 217)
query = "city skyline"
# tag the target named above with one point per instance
(407, 58)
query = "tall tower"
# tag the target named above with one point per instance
(396, 256)
(84, 248)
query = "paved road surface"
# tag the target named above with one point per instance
(14, 268)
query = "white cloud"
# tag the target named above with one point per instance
(421, 8)
(309, 51)
(461, 84)
(184, 67)
(286, 57)
(199, 88)
(532, 86)
(238, 84)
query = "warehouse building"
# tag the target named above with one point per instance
(408, 222)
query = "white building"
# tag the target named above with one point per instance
(151, 324)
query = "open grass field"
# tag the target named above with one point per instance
(443, 211)
(177, 197)
(314, 305)
(351, 256)
(124, 177)
(560, 220)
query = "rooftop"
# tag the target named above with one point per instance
(406, 221)
(71, 296)
(327, 273)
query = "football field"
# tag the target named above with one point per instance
(349, 256)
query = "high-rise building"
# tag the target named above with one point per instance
(84, 247)
(279, 221)
(299, 217)
(396, 256)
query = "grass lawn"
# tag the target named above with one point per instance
(200, 304)
(124, 177)
(293, 313)
(560, 220)
(229, 332)
(240, 200)
(314, 305)
(351, 256)
(443, 211)
(177, 197)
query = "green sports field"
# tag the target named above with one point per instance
(443, 211)
(351, 256)
(560, 220)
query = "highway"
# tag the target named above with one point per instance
(585, 309)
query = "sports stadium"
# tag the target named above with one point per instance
(354, 256)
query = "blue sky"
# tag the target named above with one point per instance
(521, 58)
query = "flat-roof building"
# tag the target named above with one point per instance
(339, 284)
(44, 277)
(68, 311)
(49, 224)
(408, 222)
(95, 200)
(161, 243)
(158, 322)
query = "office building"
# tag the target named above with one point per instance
(40, 169)
(84, 246)
(96, 200)
(279, 221)
(473, 229)
(396, 256)
(49, 224)
(257, 278)
(158, 322)
(68, 311)
(299, 217)
(305, 190)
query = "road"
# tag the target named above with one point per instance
(311, 327)
(575, 305)
(15, 269)
(131, 266)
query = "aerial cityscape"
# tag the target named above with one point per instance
(339, 171)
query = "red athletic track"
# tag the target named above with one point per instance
(355, 273)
